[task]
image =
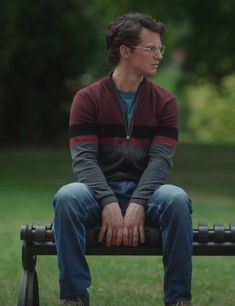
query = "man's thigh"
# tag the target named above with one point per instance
(77, 199)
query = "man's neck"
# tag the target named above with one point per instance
(126, 81)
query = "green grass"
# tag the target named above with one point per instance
(29, 179)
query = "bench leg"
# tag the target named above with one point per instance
(28, 293)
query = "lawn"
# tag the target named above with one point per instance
(30, 177)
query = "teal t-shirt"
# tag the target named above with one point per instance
(128, 104)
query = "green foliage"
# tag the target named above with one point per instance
(43, 46)
(51, 48)
(212, 112)
(210, 47)
(207, 40)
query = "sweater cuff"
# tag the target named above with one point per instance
(142, 202)
(108, 200)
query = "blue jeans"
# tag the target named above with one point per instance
(168, 208)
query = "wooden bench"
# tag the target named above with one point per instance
(38, 239)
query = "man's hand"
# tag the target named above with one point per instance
(133, 230)
(112, 224)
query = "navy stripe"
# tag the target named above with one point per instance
(103, 130)
(111, 130)
(117, 130)
(82, 129)
(143, 132)
(167, 131)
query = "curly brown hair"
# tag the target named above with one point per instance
(125, 31)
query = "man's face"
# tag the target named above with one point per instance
(145, 61)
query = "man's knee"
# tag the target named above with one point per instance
(69, 196)
(174, 198)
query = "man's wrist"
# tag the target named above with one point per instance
(141, 202)
(108, 200)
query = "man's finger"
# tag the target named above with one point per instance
(130, 236)
(102, 233)
(114, 236)
(125, 236)
(135, 237)
(119, 237)
(142, 234)
(109, 237)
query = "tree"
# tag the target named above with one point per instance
(210, 44)
(43, 46)
(202, 29)
(212, 112)
(49, 45)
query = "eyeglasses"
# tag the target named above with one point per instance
(154, 50)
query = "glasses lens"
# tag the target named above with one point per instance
(159, 49)
(162, 49)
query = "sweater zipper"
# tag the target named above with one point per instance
(128, 131)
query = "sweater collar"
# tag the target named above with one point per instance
(111, 82)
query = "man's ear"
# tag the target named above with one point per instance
(124, 52)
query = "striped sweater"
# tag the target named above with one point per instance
(104, 149)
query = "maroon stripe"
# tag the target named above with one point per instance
(85, 138)
(112, 140)
(122, 141)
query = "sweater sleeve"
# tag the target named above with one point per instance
(161, 154)
(84, 148)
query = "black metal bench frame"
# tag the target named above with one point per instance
(39, 240)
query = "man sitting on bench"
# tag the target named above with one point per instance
(123, 134)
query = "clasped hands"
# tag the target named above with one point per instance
(118, 229)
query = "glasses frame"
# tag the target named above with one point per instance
(153, 49)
